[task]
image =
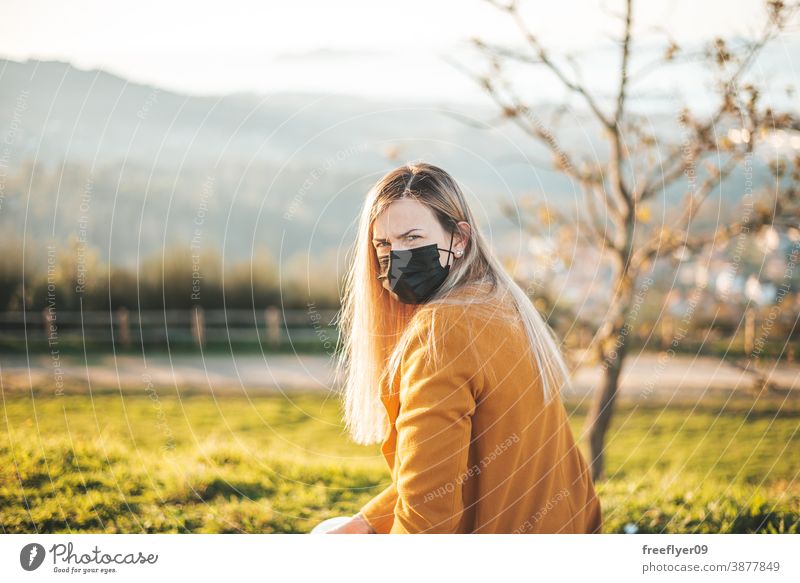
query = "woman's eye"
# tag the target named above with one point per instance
(412, 237)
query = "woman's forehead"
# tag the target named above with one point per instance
(402, 215)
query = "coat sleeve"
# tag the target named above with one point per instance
(434, 425)
(379, 512)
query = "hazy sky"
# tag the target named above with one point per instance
(390, 49)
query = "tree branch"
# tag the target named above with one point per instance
(680, 229)
(544, 59)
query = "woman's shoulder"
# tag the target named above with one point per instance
(467, 317)
(463, 340)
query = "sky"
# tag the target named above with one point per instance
(374, 49)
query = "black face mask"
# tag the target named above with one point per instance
(415, 274)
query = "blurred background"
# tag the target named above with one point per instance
(179, 188)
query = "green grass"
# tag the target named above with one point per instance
(269, 464)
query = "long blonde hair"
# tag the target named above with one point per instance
(372, 323)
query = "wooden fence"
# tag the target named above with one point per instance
(123, 327)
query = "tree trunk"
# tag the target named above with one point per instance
(598, 420)
(612, 349)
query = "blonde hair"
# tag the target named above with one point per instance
(373, 324)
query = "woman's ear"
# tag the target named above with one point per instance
(462, 238)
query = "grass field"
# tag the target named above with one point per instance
(157, 463)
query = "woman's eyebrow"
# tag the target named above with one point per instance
(401, 236)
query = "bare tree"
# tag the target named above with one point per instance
(640, 166)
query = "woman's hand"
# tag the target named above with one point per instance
(356, 525)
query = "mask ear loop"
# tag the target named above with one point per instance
(450, 248)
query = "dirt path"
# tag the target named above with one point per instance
(646, 375)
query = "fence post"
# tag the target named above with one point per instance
(198, 326)
(667, 331)
(272, 319)
(47, 321)
(123, 327)
(749, 330)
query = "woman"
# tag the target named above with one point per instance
(447, 363)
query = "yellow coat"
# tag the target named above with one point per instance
(471, 446)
